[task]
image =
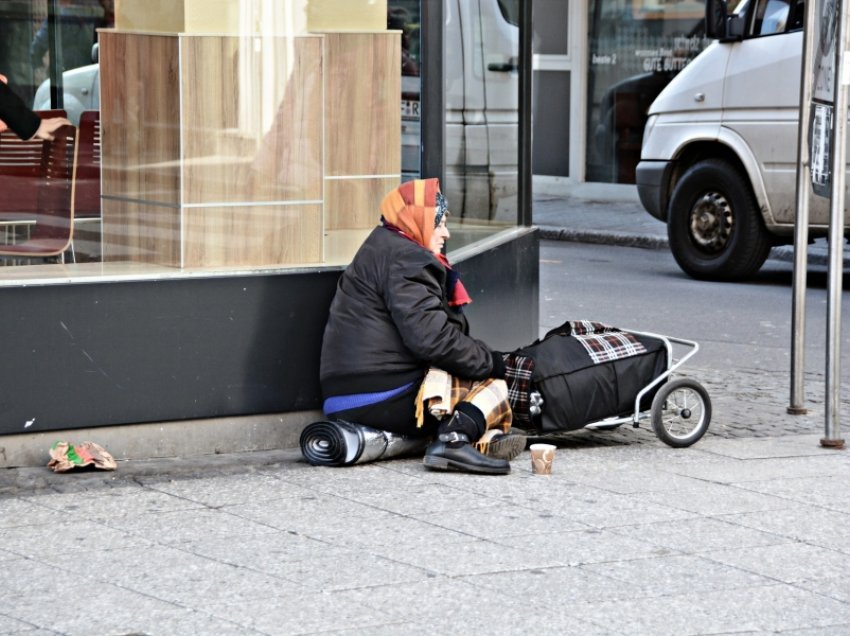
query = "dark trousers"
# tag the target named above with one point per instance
(396, 415)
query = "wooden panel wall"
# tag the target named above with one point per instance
(262, 157)
(141, 232)
(258, 235)
(140, 148)
(230, 157)
(140, 117)
(354, 203)
(362, 126)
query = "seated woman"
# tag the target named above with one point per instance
(396, 314)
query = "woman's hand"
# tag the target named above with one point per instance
(48, 127)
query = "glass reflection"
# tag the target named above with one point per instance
(482, 83)
(225, 152)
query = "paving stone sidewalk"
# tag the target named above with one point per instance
(747, 532)
(731, 536)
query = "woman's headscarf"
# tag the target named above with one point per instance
(411, 208)
(415, 208)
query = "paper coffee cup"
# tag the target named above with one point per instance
(542, 456)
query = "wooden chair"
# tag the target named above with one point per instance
(87, 180)
(43, 190)
(21, 172)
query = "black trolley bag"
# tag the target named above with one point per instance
(577, 390)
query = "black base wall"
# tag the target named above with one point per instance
(106, 353)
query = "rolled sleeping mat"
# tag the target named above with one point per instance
(341, 443)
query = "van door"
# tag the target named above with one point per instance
(762, 97)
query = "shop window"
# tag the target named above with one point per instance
(223, 153)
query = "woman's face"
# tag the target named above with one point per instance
(439, 237)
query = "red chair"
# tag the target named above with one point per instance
(21, 172)
(51, 181)
(87, 180)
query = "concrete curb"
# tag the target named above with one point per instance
(600, 237)
(784, 253)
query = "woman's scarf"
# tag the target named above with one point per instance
(458, 296)
(411, 210)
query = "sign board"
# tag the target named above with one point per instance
(823, 96)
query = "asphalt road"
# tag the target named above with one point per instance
(737, 324)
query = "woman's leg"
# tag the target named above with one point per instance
(480, 410)
(396, 415)
(483, 406)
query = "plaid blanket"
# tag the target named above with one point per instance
(440, 392)
(518, 372)
(604, 343)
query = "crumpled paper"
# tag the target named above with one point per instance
(65, 456)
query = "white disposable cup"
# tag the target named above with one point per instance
(542, 456)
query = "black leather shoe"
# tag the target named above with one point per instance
(463, 457)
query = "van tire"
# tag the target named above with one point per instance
(714, 225)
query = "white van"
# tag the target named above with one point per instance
(719, 154)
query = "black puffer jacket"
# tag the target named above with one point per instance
(390, 320)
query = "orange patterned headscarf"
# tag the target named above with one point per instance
(411, 207)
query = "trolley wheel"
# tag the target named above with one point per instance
(681, 413)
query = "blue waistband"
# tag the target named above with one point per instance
(339, 403)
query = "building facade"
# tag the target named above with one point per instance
(238, 154)
(243, 147)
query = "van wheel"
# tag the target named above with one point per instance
(714, 225)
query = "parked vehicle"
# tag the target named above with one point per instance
(80, 89)
(719, 154)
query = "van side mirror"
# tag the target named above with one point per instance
(719, 25)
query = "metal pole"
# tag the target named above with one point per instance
(836, 239)
(801, 226)
(54, 47)
(524, 198)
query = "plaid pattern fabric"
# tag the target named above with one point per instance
(440, 392)
(582, 327)
(518, 372)
(604, 343)
(435, 394)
